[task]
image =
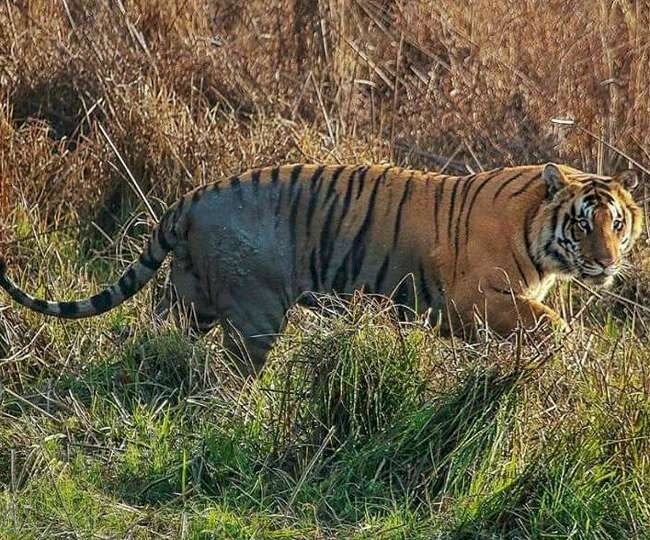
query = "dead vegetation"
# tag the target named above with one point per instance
(190, 90)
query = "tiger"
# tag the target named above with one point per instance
(481, 249)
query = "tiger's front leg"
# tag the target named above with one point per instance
(505, 312)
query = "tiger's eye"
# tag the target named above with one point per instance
(618, 224)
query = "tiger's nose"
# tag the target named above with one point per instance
(605, 262)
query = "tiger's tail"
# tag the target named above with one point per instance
(136, 276)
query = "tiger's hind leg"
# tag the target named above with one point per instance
(184, 301)
(252, 327)
(249, 352)
(251, 316)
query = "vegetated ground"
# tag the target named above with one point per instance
(359, 428)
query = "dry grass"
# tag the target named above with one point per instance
(191, 90)
(114, 429)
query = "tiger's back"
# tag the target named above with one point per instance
(342, 228)
(325, 228)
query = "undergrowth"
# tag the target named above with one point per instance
(359, 427)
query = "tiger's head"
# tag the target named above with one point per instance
(590, 223)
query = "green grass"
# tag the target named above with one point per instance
(358, 428)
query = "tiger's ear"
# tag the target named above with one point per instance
(629, 179)
(554, 178)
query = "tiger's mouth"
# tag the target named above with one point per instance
(593, 272)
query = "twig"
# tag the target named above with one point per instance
(451, 158)
(572, 123)
(38, 235)
(310, 466)
(132, 180)
(322, 106)
(396, 93)
(445, 161)
(374, 14)
(27, 402)
(474, 156)
(615, 296)
(370, 63)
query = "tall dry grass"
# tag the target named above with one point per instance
(190, 90)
